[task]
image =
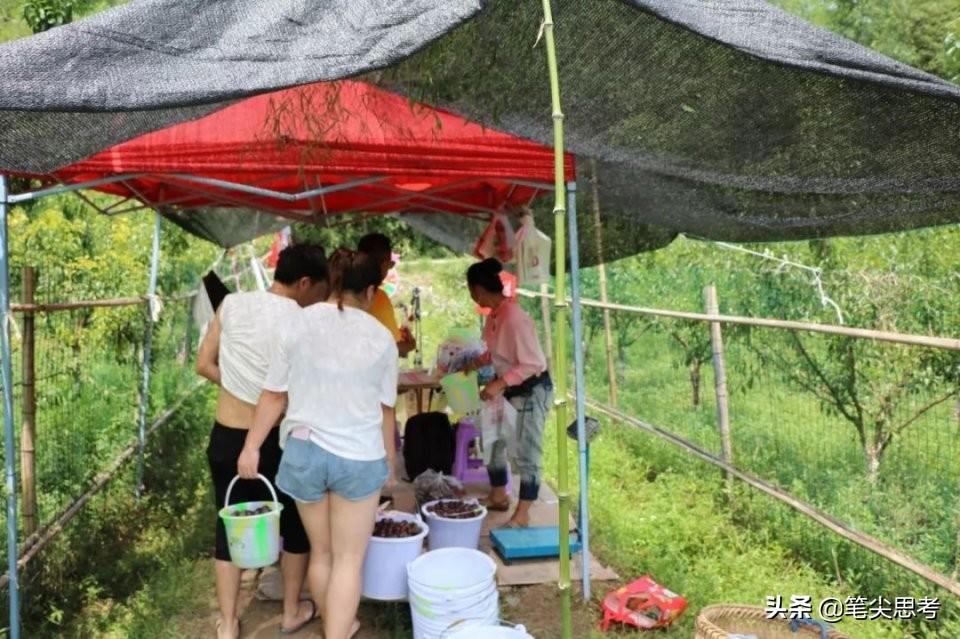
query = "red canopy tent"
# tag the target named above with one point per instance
(323, 149)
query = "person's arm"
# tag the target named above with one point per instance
(388, 401)
(269, 409)
(208, 357)
(406, 345)
(478, 362)
(272, 404)
(389, 439)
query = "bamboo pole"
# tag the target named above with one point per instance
(945, 343)
(720, 382)
(71, 306)
(28, 425)
(547, 328)
(559, 242)
(602, 274)
(865, 541)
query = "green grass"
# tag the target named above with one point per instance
(668, 523)
(124, 566)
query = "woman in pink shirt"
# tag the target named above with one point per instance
(522, 377)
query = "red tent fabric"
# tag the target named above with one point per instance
(379, 151)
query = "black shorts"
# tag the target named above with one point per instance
(222, 454)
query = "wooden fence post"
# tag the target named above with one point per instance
(720, 381)
(28, 428)
(602, 275)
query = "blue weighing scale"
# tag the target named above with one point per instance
(539, 542)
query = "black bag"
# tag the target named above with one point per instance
(428, 443)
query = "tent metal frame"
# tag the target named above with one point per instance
(398, 195)
(307, 215)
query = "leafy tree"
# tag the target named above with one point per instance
(921, 33)
(80, 254)
(42, 15)
(880, 389)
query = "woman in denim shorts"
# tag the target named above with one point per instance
(335, 373)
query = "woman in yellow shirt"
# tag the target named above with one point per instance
(377, 246)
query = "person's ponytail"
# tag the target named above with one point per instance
(352, 272)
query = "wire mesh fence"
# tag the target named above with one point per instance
(85, 373)
(864, 431)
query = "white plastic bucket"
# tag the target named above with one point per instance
(453, 533)
(385, 564)
(470, 630)
(451, 585)
(254, 540)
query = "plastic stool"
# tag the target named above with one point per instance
(470, 470)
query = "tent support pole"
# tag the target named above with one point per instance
(10, 453)
(147, 353)
(560, 360)
(68, 188)
(581, 391)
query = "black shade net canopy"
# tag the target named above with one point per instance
(728, 120)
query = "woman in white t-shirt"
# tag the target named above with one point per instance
(335, 373)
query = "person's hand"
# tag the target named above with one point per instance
(405, 346)
(248, 463)
(493, 389)
(391, 484)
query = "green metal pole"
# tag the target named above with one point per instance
(560, 358)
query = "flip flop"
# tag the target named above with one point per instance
(313, 617)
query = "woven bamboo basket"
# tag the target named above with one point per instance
(719, 622)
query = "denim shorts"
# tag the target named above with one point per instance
(308, 472)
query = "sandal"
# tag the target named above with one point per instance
(497, 506)
(309, 620)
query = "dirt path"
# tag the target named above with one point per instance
(534, 606)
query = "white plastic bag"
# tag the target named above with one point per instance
(533, 254)
(498, 422)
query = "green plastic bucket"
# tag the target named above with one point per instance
(254, 540)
